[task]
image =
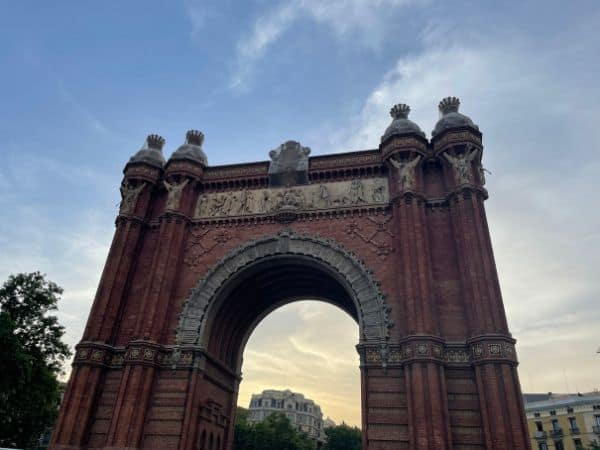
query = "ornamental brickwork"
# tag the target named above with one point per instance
(396, 236)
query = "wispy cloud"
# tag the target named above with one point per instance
(363, 18)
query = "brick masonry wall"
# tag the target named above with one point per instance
(445, 379)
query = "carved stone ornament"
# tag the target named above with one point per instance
(174, 194)
(462, 165)
(341, 194)
(129, 196)
(364, 290)
(289, 164)
(406, 172)
(201, 242)
(379, 237)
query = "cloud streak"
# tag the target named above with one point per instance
(362, 18)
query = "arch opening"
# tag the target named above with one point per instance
(258, 277)
(259, 290)
(305, 347)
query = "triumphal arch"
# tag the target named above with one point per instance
(396, 236)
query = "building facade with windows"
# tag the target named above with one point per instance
(563, 421)
(303, 412)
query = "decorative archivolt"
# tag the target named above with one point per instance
(314, 196)
(373, 314)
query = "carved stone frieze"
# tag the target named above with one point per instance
(341, 194)
(491, 350)
(416, 349)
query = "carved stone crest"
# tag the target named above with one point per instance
(289, 164)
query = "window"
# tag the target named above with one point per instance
(573, 423)
(577, 443)
(555, 426)
(539, 426)
(542, 446)
(597, 421)
(559, 445)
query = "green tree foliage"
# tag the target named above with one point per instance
(342, 437)
(276, 432)
(594, 445)
(31, 357)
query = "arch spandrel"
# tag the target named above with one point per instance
(345, 266)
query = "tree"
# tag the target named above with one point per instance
(276, 432)
(342, 437)
(32, 355)
(594, 445)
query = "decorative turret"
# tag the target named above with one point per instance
(457, 141)
(192, 149)
(151, 152)
(401, 125)
(403, 147)
(450, 118)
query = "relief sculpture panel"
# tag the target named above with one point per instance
(341, 194)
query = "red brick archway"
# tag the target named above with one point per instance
(396, 236)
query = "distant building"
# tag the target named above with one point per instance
(563, 421)
(328, 423)
(303, 412)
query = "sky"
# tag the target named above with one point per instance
(84, 82)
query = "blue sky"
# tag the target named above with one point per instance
(84, 83)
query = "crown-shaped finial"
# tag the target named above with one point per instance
(400, 111)
(155, 141)
(448, 105)
(194, 137)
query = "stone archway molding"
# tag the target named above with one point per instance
(373, 313)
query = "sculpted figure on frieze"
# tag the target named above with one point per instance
(406, 172)
(356, 194)
(129, 196)
(174, 196)
(321, 198)
(202, 206)
(462, 165)
(337, 194)
(378, 194)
